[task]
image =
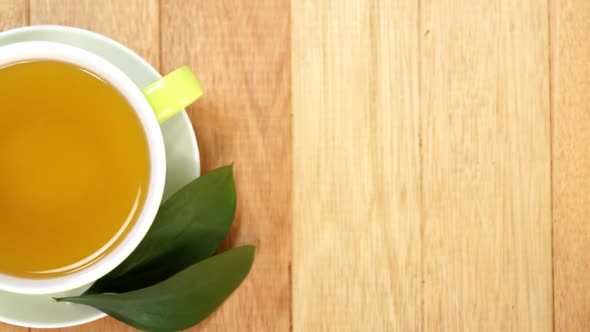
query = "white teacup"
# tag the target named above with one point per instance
(152, 105)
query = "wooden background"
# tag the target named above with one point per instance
(403, 165)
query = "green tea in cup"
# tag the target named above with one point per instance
(74, 168)
(82, 163)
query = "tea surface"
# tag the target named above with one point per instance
(74, 168)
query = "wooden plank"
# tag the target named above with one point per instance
(356, 262)
(13, 14)
(570, 54)
(241, 53)
(134, 23)
(485, 122)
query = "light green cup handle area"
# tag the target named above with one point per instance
(173, 92)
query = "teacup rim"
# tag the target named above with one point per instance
(47, 50)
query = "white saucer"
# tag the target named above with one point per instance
(182, 155)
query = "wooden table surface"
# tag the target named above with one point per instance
(402, 165)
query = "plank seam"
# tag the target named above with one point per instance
(160, 50)
(291, 213)
(421, 162)
(28, 12)
(550, 44)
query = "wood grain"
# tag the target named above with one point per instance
(480, 238)
(241, 52)
(421, 156)
(570, 55)
(13, 14)
(485, 123)
(356, 259)
(134, 23)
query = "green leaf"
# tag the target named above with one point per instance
(181, 301)
(189, 227)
